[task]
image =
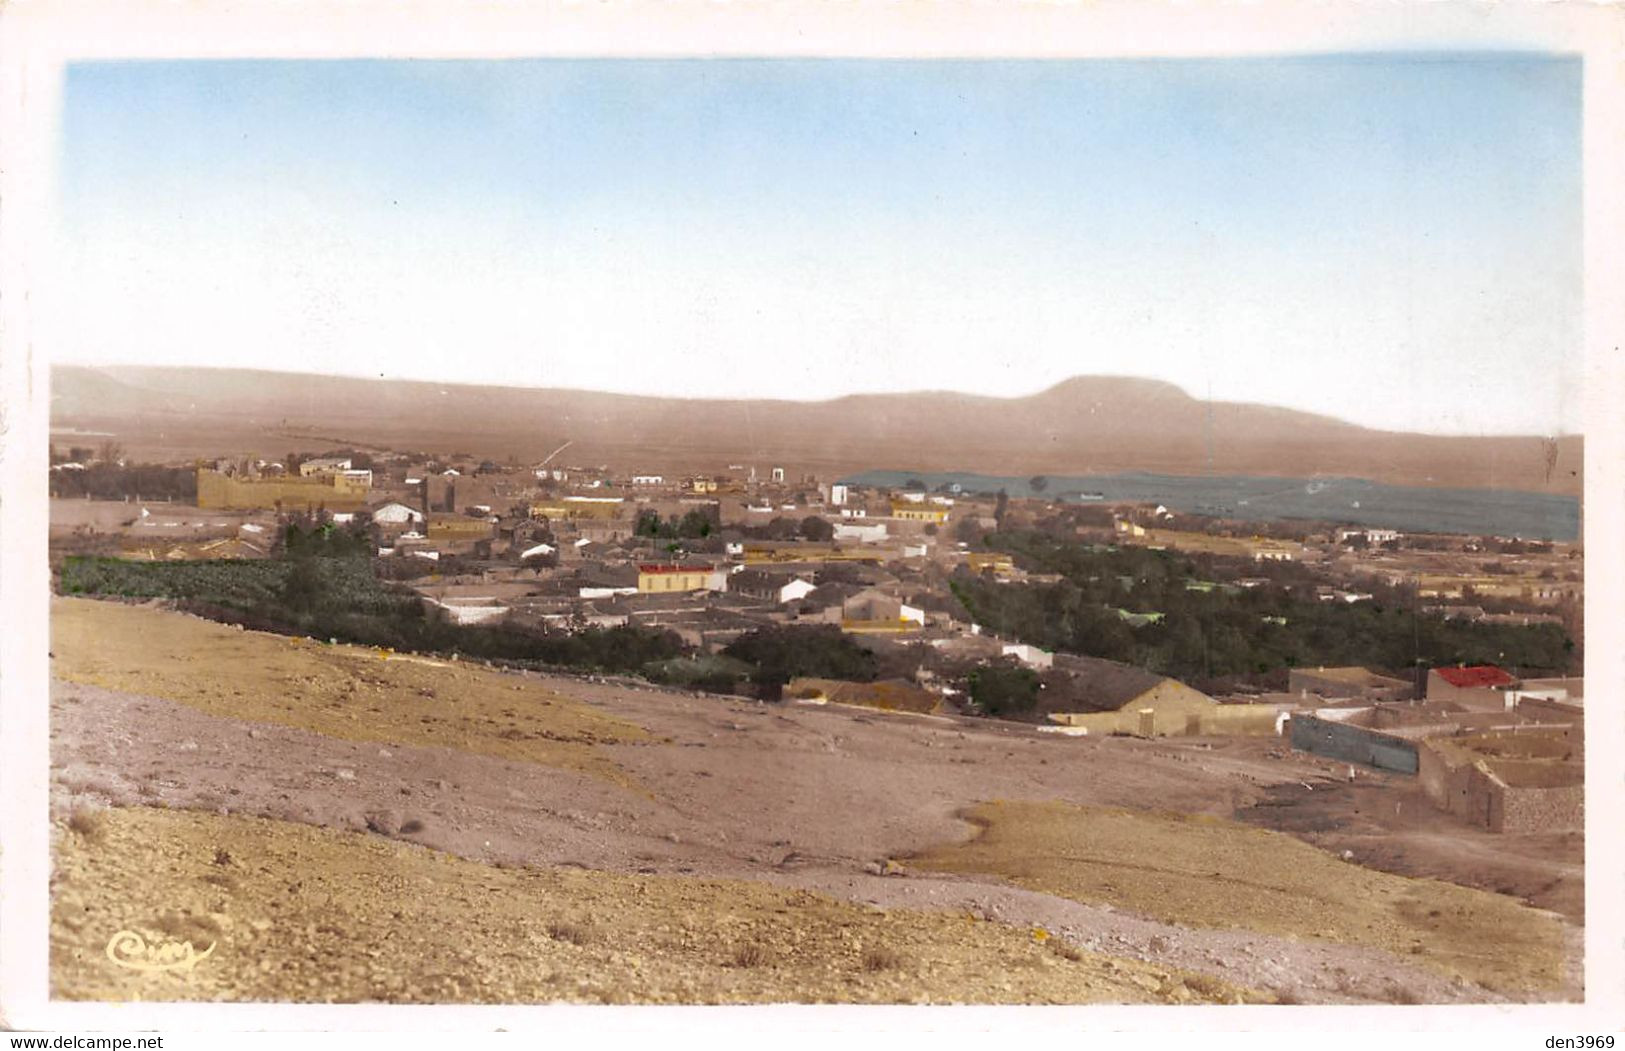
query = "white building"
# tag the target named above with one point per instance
(648, 479)
(796, 590)
(397, 514)
(1031, 656)
(323, 465)
(473, 610)
(865, 534)
(838, 494)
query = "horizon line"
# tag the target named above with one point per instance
(898, 393)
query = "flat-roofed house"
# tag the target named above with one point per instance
(905, 511)
(1479, 686)
(1348, 682)
(659, 578)
(459, 527)
(324, 465)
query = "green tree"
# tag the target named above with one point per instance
(1001, 690)
(784, 652)
(302, 589)
(815, 528)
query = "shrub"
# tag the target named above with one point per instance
(90, 823)
(881, 958)
(1002, 690)
(575, 934)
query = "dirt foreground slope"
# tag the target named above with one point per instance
(290, 912)
(1207, 872)
(613, 782)
(349, 692)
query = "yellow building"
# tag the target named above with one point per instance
(997, 561)
(574, 507)
(661, 579)
(458, 527)
(334, 492)
(1170, 708)
(795, 551)
(918, 513)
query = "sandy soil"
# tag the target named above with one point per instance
(291, 912)
(823, 799)
(1387, 823)
(348, 692)
(1207, 872)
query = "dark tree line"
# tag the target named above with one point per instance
(693, 525)
(1233, 632)
(103, 480)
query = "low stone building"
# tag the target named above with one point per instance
(1510, 781)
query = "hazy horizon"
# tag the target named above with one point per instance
(920, 391)
(1389, 240)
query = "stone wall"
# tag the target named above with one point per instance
(333, 492)
(1355, 744)
(1501, 794)
(1543, 809)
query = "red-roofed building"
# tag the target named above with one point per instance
(1476, 686)
(663, 578)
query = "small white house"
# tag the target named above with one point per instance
(1031, 656)
(537, 552)
(796, 590)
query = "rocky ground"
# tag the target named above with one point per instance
(509, 780)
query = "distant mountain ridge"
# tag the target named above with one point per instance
(1085, 425)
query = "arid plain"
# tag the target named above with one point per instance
(345, 824)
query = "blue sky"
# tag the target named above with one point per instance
(1393, 239)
